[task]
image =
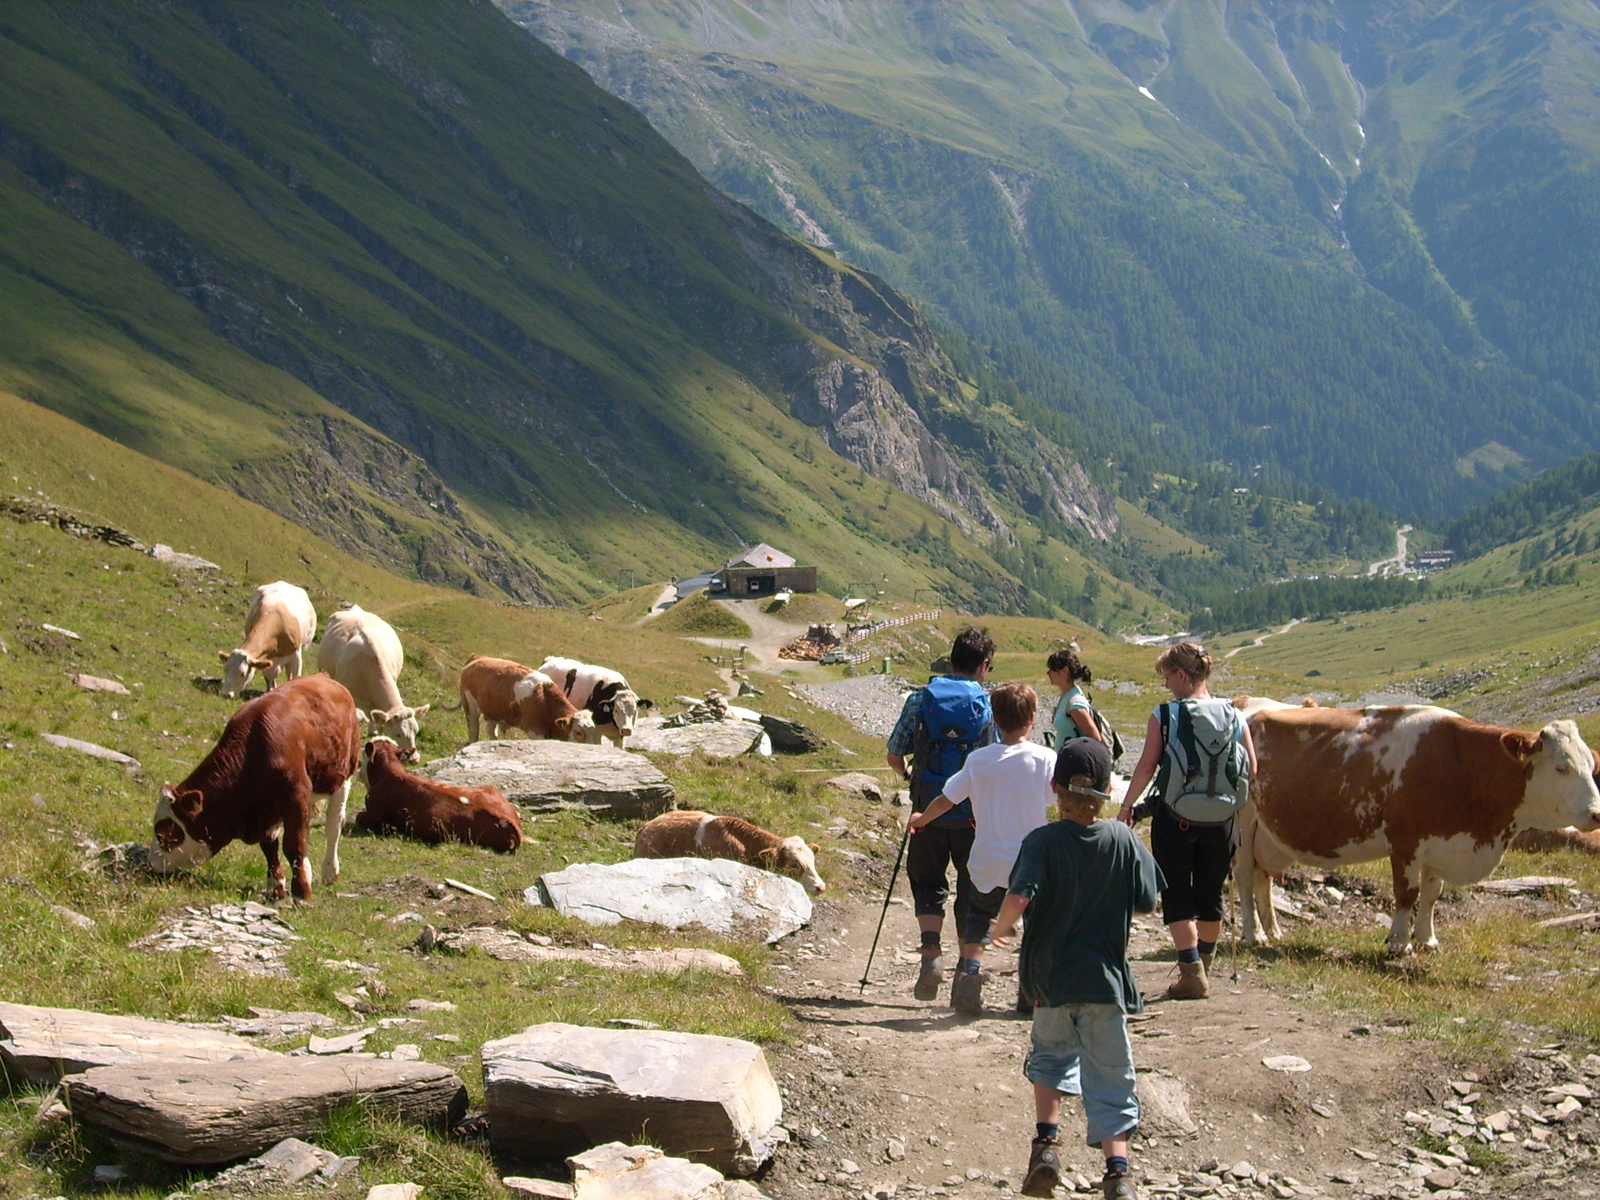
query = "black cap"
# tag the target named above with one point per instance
(1088, 759)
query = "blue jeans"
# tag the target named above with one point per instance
(1083, 1050)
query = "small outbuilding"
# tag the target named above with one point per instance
(762, 571)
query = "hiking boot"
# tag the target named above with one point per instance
(966, 994)
(930, 978)
(1044, 1168)
(1118, 1187)
(1191, 983)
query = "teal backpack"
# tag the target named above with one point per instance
(1205, 775)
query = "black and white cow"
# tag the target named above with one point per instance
(604, 692)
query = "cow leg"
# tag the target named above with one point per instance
(297, 847)
(1407, 890)
(1244, 877)
(269, 849)
(469, 705)
(332, 827)
(294, 664)
(1423, 935)
(270, 675)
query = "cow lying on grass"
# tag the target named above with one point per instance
(701, 835)
(400, 802)
(1440, 795)
(277, 756)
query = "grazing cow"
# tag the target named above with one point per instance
(278, 754)
(362, 651)
(604, 692)
(1442, 796)
(509, 695)
(701, 835)
(279, 626)
(400, 802)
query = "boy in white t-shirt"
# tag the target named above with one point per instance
(1009, 786)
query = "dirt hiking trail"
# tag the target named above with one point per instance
(890, 1097)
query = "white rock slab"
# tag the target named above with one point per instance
(43, 1044)
(717, 739)
(176, 558)
(558, 1089)
(217, 1113)
(90, 748)
(549, 776)
(726, 897)
(93, 683)
(640, 1173)
(509, 946)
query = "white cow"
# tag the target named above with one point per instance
(279, 626)
(604, 692)
(362, 651)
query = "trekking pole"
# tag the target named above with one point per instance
(1233, 929)
(893, 875)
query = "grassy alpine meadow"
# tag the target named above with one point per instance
(122, 615)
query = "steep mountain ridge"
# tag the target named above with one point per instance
(405, 276)
(1234, 232)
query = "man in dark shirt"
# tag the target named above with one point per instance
(1080, 880)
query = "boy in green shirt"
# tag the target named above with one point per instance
(1080, 880)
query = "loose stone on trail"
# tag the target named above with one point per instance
(283, 1166)
(218, 1113)
(723, 896)
(546, 776)
(614, 1170)
(1288, 1063)
(42, 1044)
(556, 1089)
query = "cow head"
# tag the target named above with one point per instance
(377, 749)
(797, 859)
(496, 830)
(400, 726)
(237, 667)
(1560, 789)
(579, 727)
(174, 846)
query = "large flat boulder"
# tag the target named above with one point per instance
(219, 1113)
(717, 739)
(726, 897)
(547, 776)
(42, 1044)
(559, 1089)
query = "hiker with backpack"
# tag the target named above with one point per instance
(1075, 714)
(1206, 759)
(939, 725)
(1008, 786)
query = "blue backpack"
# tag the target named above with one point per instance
(955, 716)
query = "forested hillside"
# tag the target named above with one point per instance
(402, 274)
(1327, 241)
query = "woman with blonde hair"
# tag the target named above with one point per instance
(1203, 749)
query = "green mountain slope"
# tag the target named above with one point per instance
(1167, 220)
(403, 275)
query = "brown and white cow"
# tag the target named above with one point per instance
(701, 835)
(1440, 795)
(278, 755)
(362, 651)
(279, 626)
(400, 802)
(602, 691)
(508, 695)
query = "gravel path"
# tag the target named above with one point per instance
(869, 702)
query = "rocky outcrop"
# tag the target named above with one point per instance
(557, 1089)
(868, 422)
(222, 1112)
(548, 776)
(726, 897)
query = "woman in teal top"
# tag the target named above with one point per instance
(1074, 716)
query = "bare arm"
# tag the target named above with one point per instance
(1250, 749)
(1005, 925)
(898, 763)
(941, 805)
(1084, 720)
(1145, 771)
